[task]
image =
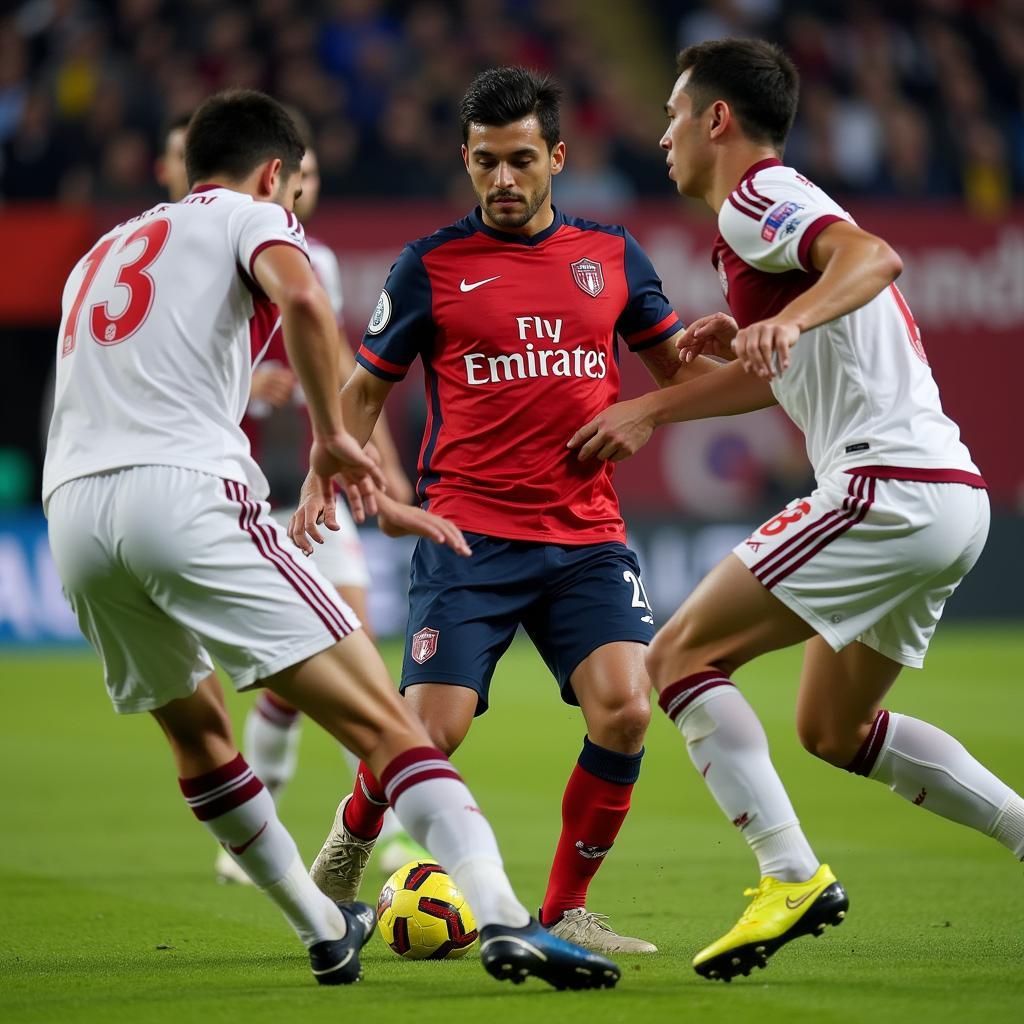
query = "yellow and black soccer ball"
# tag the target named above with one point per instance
(422, 914)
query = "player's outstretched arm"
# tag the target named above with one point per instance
(855, 266)
(624, 428)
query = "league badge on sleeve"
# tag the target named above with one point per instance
(589, 276)
(381, 314)
(424, 645)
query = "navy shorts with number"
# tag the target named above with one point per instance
(464, 612)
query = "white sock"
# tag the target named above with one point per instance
(729, 748)
(272, 743)
(929, 768)
(438, 811)
(237, 809)
(390, 826)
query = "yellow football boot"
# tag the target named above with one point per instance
(778, 913)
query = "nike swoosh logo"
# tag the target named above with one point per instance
(793, 904)
(463, 287)
(239, 850)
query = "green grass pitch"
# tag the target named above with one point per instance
(109, 911)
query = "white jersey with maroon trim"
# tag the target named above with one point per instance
(858, 387)
(162, 319)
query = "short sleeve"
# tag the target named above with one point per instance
(771, 225)
(648, 317)
(257, 226)
(402, 323)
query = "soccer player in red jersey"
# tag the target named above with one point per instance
(514, 312)
(861, 568)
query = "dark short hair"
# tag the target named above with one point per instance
(235, 131)
(500, 96)
(754, 77)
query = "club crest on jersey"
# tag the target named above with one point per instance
(381, 314)
(723, 277)
(589, 276)
(777, 218)
(424, 644)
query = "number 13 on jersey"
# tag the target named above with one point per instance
(107, 328)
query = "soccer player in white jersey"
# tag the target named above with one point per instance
(859, 569)
(272, 726)
(168, 554)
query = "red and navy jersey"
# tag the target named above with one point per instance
(518, 339)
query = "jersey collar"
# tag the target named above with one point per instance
(477, 220)
(770, 161)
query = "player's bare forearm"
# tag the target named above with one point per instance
(726, 392)
(362, 399)
(623, 429)
(310, 333)
(399, 486)
(855, 267)
(664, 366)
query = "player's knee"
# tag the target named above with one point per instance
(676, 652)
(622, 725)
(825, 742)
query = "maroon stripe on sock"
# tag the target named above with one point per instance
(197, 785)
(229, 801)
(413, 767)
(865, 758)
(676, 698)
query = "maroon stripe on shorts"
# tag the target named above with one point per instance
(864, 761)
(853, 517)
(346, 625)
(674, 699)
(236, 492)
(773, 567)
(300, 580)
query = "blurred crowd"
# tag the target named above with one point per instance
(907, 99)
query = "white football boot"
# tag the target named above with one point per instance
(589, 930)
(341, 863)
(228, 871)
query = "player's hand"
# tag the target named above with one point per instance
(763, 348)
(340, 456)
(274, 385)
(398, 520)
(708, 336)
(615, 434)
(316, 508)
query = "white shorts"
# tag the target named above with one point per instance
(165, 566)
(340, 558)
(871, 559)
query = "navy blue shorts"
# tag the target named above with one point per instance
(464, 612)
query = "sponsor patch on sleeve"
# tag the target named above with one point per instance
(778, 217)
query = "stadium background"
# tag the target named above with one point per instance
(913, 112)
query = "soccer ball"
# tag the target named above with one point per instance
(422, 914)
